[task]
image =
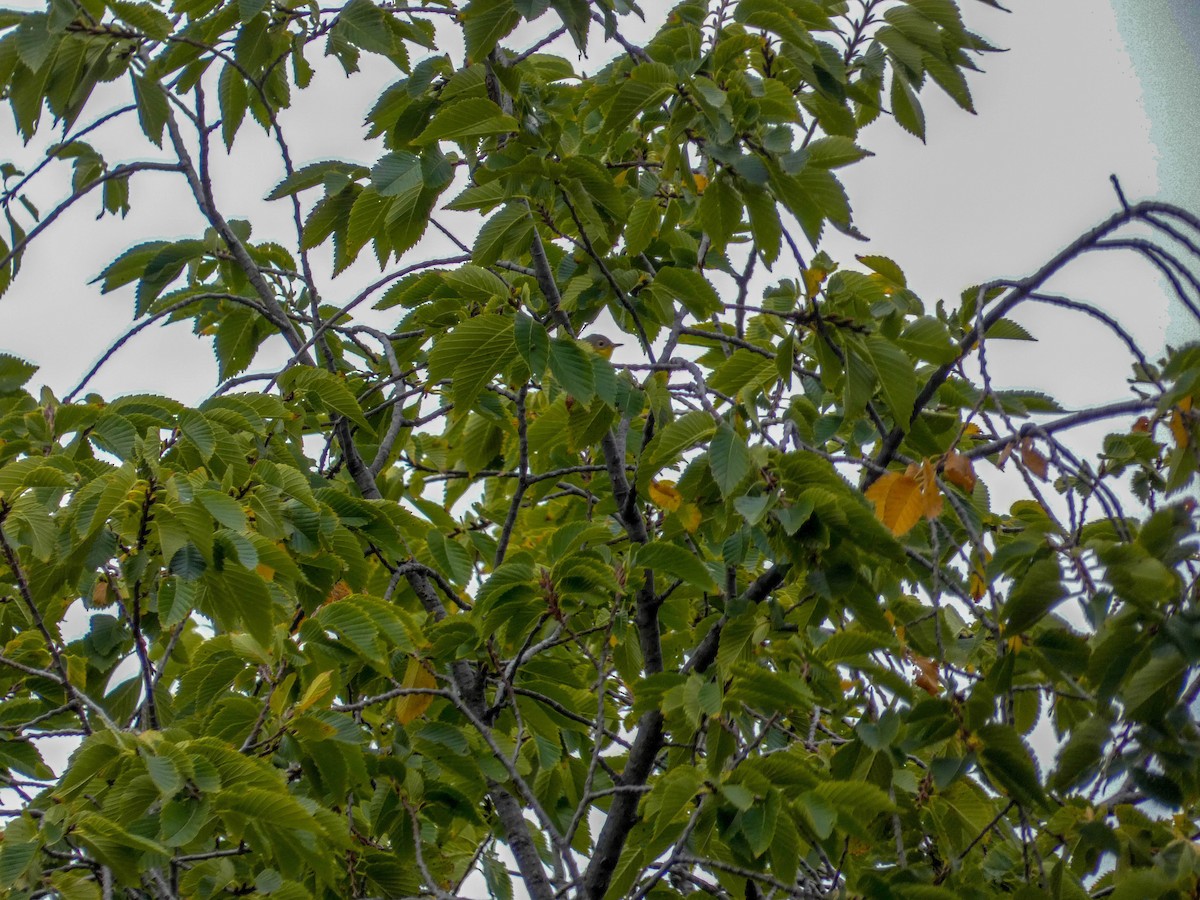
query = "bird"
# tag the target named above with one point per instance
(602, 345)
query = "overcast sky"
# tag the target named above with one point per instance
(1084, 90)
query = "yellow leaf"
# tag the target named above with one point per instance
(413, 706)
(978, 586)
(885, 284)
(701, 181)
(978, 580)
(664, 495)
(813, 279)
(689, 514)
(898, 501)
(318, 689)
(931, 497)
(100, 594)
(971, 430)
(1179, 428)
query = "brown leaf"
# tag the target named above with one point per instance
(337, 592)
(898, 501)
(926, 675)
(1033, 460)
(1142, 425)
(1004, 455)
(959, 471)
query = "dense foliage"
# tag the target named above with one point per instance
(461, 603)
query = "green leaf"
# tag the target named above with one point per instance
(729, 459)
(368, 219)
(510, 225)
(743, 367)
(471, 355)
(638, 94)
(327, 389)
(1155, 685)
(15, 857)
(316, 174)
(675, 561)
(234, 100)
(397, 174)
(834, 152)
(365, 25)
(1079, 756)
(1008, 330)
(533, 343)
(929, 339)
(196, 428)
(1006, 760)
(1033, 595)
(143, 16)
(689, 287)
(765, 225)
(466, 121)
(897, 377)
(764, 690)
(642, 225)
(485, 23)
(223, 508)
(674, 438)
(14, 373)
(129, 266)
(673, 794)
(239, 336)
(906, 107)
(720, 211)
(571, 365)
(759, 823)
(152, 107)
(115, 434)
(165, 774)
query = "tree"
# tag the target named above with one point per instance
(460, 596)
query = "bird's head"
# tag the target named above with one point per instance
(601, 345)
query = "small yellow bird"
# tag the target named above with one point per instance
(601, 345)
